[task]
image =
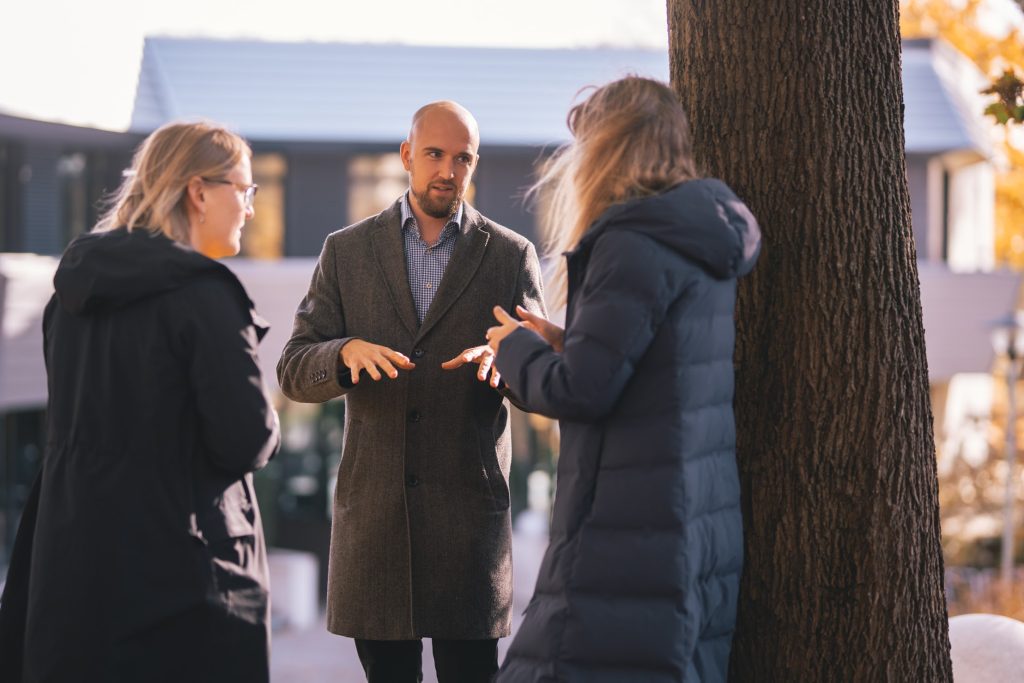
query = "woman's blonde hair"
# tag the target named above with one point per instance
(152, 195)
(631, 138)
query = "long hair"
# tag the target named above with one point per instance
(152, 195)
(631, 138)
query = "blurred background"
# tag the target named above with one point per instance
(324, 92)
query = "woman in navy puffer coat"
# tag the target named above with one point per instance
(640, 581)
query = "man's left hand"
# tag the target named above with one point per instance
(484, 356)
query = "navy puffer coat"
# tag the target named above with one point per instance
(641, 577)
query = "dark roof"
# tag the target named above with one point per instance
(340, 92)
(367, 93)
(943, 103)
(64, 134)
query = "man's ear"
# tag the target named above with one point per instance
(406, 153)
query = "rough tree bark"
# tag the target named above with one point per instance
(798, 106)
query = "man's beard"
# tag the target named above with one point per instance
(443, 208)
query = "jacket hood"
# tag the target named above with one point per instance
(106, 270)
(703, 220)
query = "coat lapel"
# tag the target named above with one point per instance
(466, 258)
(389, 251)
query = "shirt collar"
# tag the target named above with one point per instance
(407, 214)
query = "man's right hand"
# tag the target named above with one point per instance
(359, 355)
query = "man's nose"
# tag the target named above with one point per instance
(448, 169)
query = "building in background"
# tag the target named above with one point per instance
(325, 121)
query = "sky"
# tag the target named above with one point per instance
(77, 61)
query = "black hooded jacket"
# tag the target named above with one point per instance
(141, 550)
(641, 576)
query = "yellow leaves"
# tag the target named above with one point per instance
(1010, 217)
(961, 27)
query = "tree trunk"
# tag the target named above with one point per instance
(798, 106)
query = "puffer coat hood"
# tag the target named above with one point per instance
(701, 220)
(102, 271)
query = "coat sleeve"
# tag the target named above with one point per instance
(622, 301)
(237, 422)
(308, 368)
(530, 295)
(529, 287)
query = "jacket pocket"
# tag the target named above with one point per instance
(493, 479)
(239, 578)
(226, 509)
(345, 491)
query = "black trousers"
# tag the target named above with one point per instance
(401, 661)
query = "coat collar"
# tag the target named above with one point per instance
(389, 251)
(465, 260)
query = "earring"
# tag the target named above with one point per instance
(202, 218)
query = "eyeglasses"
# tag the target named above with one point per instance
(248, 191)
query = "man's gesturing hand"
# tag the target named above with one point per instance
(362, 355)
(483, 355)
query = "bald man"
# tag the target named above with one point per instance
(393, 321)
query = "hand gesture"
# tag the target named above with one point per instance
(550, 332)
(362, 355)
(507, 325)
(484, 355)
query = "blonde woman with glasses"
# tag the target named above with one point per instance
(140, 556)
(640, 580)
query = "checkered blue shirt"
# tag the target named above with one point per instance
(425, 264)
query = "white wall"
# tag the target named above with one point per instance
(26, 284)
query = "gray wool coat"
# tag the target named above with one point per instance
(421, 534)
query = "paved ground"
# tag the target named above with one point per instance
(316, 656)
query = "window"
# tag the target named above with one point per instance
(375, 181)
(86, 183)
(263, 236)
(72, 171)
(9, 195)
(4, 199)
(945, 215)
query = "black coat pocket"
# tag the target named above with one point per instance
(226, 509)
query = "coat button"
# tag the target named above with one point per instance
(411, 480)
(414, 416)
(417, 353)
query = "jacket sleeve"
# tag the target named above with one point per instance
(621, 303)
(530, 295)
(237, 423)
(308, 368)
